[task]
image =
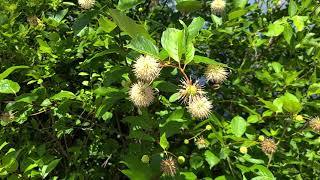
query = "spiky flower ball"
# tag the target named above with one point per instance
(218, 6)
(86, 4)
(200, 107)
(7, 116)
(268, 146)
(146, 68)
(190, 90)
(216, 73)
(315, 124)
(169, 167)
(141, 94)
(201, 142)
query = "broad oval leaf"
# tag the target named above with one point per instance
(211, 158)
(164, 142)
(172, 42)
(144, 46)
(128, 25)
(238, 126)
(9, 87)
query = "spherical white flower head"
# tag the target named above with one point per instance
(146, 68)
(315, 124)
(218, 6)
(141, 94)
(86, 4)
(216, 73)
(200, 107)
(190, 90)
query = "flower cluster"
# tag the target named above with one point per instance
(193, 94)
(146, 69)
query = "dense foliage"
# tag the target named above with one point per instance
(165, 89)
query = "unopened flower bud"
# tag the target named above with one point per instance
(208, 127)
(243, 150)
(181, 159)
(145, 159)
(186, 141)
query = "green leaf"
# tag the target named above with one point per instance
(196, 161)
(189, 175)
(174, 97)
(287, 33)
(164, 142)
(253, 118)
(172, 42)
(144, 46)
(188, 5)
(211, 158)
(46, 169)
(63, 95)
(30, 167)
(195, 26)
(106, 24)
(239, 3)
(8, 71)
(206, 60)
(298, 22)
(128, 25)
(9, 87)
(262, 171)
(44, 46)
(274, 29)
(3, 145)
(83, 20)
(221, 178)
(127, 4)
(106, 116)
(238, 126)
(59, 16)
(314, 89)
(217, 20)
(292, 10)
(291, 103)
(237, 14)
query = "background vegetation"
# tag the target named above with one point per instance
(66, 71)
